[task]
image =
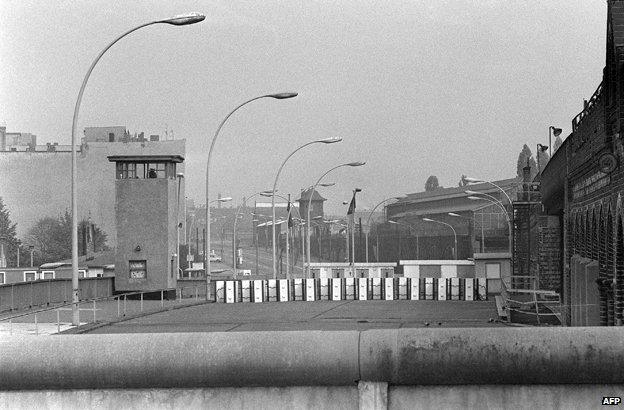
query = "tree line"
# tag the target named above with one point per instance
(49, 239)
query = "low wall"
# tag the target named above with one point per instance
(25, 295)
(399, 357)
(284, 290)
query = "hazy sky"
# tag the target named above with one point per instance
(414, 88)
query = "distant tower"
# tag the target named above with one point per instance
(146, 190)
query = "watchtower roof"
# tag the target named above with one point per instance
(146, 158)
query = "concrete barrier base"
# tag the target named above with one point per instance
(365, 396)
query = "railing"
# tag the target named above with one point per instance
(139, 304)
(576, 121)
(531, 306)
(45, 292)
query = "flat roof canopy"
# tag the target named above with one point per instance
(146, 158)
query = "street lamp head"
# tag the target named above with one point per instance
(330, 140)
(542, 147)
(225, 199)
(180, 175)
(328, 184)
(358, 189)
(356, 164)
(473, 180)
(345, 202)
(283, 96)
(427, 220)
(476, 198)
(469, 192)
(185, 19)
(454, 214)
(393, 222)
(556, 131)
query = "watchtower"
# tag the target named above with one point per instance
(146, 209)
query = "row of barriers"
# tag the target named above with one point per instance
(284, 290)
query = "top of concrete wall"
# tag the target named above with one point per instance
(437, 262)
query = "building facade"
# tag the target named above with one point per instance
(38, 183)
(583, 185)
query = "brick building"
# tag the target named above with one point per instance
(583, 184)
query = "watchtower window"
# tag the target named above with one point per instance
(146, 170)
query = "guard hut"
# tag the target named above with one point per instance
(146, 194)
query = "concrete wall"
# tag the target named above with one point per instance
(146, 219)
(585, 293)
(38, 183)
(438, 268)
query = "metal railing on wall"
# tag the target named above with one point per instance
(109, 308)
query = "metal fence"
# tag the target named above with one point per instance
(27, 295)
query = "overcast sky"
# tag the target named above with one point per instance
(415, 88)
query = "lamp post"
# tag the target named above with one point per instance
(369, 219)
(552, 131)
(323, 141)
(496, 202)
(318, 181)
(477, 180)
(178, 225)
(352, 213)
(278, 96)
(181, 20)
(290, 207)
(234, 228)
(454, 215)
(410, 230)
(450, 226)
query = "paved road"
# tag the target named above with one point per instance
(320, 315)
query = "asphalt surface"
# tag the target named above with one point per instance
(320, 315)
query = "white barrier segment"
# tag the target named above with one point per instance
(220, 291)
(258, 286)
(283, 290)
(271, 290)
(376, 294)
(442, 288)
(246, 290)
(362, 288)
(455, 288)
(229, 291)
(429, 288)
(298, 291)
(469, 283)
(402, 288)
(414, 288)
(350, 289)
(336, 287)
(388, 288)
(482, 283)
(237, 291)
(310, 294)
(324, 288)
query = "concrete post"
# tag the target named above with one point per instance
(372, 395)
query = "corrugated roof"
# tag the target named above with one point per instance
(443, 193)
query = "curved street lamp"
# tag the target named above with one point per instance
(180, 20)
(290, 208)
(323, 141)
(277, 96)
(450, 226)
(349, 164)
(369, 225)
(494, 201)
